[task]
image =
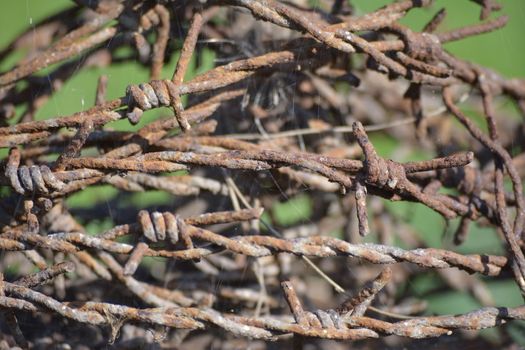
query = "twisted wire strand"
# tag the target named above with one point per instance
(327, 323)
(358, 305)
(321, 323)
(421, 52)
(337, 321)
(331, 321)
(259, 246)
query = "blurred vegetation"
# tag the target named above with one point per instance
(502, 50)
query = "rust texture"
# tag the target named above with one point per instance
(290, 106)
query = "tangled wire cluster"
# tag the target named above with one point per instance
(265, 122)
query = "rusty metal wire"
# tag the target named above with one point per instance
(153, 267)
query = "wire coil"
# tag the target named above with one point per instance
(39, 179)
(157, 93)
(159, 226)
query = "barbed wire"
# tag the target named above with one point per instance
(198, 155)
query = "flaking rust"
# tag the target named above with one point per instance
(282, 92)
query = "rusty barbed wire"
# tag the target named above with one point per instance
(289, 106)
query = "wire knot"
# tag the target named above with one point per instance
(157, 226)
(422, 46)
(157, 93)
(35, 178)
(325, 319)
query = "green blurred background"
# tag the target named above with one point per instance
(503, 51)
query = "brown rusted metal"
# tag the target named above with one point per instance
(282, 92)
